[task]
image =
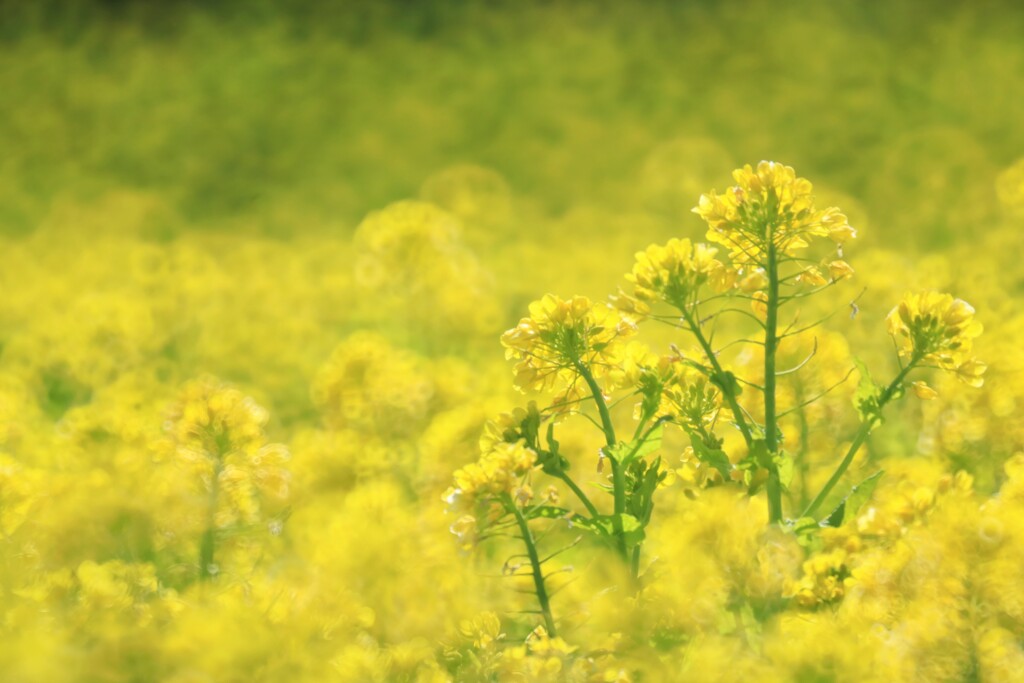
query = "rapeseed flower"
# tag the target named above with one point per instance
(935, 328)
(768, 206)
(560, 337)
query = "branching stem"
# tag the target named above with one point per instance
(858, 440)
(539, 586)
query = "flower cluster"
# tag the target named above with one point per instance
(217, 433)
(769, 205)
(560, 337)
(932, 327)
(499, 471)
(675, 272)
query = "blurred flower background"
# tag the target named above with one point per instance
(257, 258)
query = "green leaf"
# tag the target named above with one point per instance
(715, 457)
(632, 529)
(626, 452)
(854, 501)
(784, 465)
(760, 454)
(866, 397)
(604, 526)
(642, 481)
(547, 512)
(652, 442)
(808, 533)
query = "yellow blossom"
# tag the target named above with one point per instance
(768, 205)
(936, 328)
(560, 336)
(924, 392)
(675, 272)
(840, 270)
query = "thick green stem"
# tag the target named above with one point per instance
(538, 575)
(858, 441)
(771, 425)
(730, 398)
(618, 480)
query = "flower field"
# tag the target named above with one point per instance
(443, 341)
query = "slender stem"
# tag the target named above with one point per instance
(602, 406)
(858, 441)
(737, 412)
(805, 432)
(771, 341)
(207, 544)
(538, 575)
(618, 480)
(579, 493)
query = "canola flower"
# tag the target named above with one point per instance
(563, 339)
(769, 209)
(931, 327)
(675, 272)
(217, 434)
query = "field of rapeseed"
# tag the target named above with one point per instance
(443, 341)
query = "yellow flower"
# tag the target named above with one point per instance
(755, 281)
(217, 432)
(505, 428)
(936, 328)
(970, 372)
(484, 630)
(840, 270)
(759, 303)
(675, 272)
(497, 472)
(768, 205)
(923, 391)
(560, 336)
(811, 276)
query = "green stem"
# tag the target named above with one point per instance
(538, 575)
(734, 406)
(771, 342)
(618, 480)
(805, 432)
(207, 544)
(858, 441)
(602, 407)
(579, 493)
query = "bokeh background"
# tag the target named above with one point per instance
(337, 207)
